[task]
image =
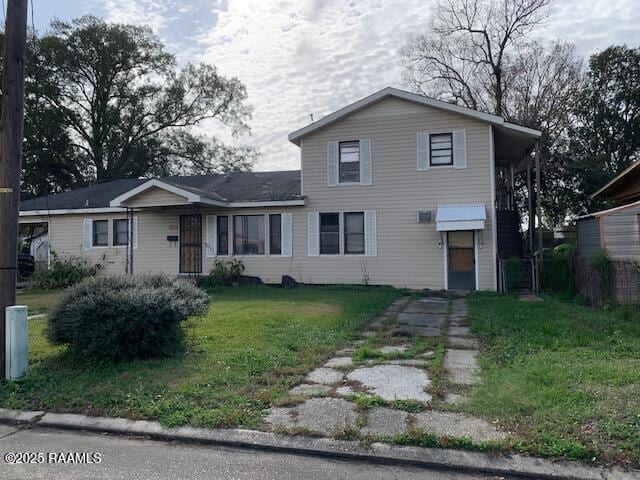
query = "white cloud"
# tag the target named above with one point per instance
(298, 57)
(148, 12)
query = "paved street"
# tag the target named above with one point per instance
(132, 459)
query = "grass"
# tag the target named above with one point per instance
(38, 301)
(564, 377)
(254, 344)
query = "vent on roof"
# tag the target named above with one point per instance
(425, 216)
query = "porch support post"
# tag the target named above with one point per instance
(530, 205)
(539, 209)
(130, 242)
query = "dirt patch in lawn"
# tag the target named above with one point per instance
(310, 309)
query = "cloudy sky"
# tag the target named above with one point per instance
(302, 57)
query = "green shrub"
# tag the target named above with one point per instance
(515, 272)
(558, 270)
(563, 250)
(602, 263)
(600, 259)
(122, 317)
(223, 274)
(64, 272)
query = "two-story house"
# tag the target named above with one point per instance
(395, 189)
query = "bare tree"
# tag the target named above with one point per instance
(465, 55)
(542, 90)
(479, 54)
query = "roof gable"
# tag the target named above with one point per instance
(367, 102)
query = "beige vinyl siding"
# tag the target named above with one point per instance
(621, 236)
(408, 252)
(66, 236)
(155, 196)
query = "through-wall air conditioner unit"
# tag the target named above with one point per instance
(425, 216)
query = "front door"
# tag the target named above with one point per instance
(461, 260)
(191, 244)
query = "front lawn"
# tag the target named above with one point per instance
(253, 345)
(565, 377)
(38, 301)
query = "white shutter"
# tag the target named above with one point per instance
(287, 234)
(135, 233)
(365, 162)
(87, 241)
(460, 149)
(332, 164)
(422, 140)
(370, 235)
(313, 231)
(211, 236)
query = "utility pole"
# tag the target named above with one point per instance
(11, 134)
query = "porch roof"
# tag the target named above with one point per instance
(231, 189)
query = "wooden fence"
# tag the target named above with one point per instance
(619, 283)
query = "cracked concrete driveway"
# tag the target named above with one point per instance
(363, 391)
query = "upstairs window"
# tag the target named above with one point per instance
(101, 233)
(441, 149)
(329, 233)
(121, 232)
(248, 234)
(349, 162)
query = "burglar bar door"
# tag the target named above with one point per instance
(191, 244)
(462, 262)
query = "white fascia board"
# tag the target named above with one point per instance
(274, 203)
(610, 210)
(519, 128)
(46, 213)
(295, 137)
(460, 225)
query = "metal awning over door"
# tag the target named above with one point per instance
(460, 217)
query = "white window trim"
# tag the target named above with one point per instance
(341, 234)
(229, 236)
(206, 246)
(343, 238)
(348, 184)
(113, 232)
(438, 132)
(340, 253)
(431, 166)
(233, 236)
(268, 235)
(100, 247)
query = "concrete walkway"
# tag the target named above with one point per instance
(395, 380)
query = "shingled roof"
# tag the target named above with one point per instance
(230, 187)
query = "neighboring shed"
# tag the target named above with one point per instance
(616, 230)
(588, 233)
(623, 188)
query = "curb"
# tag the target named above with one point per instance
(377, 453)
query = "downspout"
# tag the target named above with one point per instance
(131, 233)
